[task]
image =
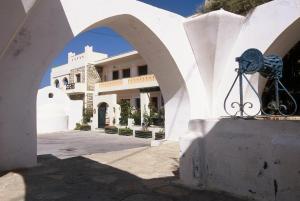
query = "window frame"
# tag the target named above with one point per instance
(142, 70)
(113, 75)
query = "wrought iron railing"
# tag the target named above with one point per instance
(252, 61)
(70, 86)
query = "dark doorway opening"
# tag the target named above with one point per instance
(102, 109)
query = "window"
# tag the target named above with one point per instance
(66, 81)
(142, 70)
(115, 75)
(78, 77)
(56, 83)
(154, 103)
(138, 103)
(125, 100)
(126, 73)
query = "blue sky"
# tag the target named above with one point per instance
(107, 41)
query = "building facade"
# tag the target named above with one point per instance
(125, 77)
(77, 78)
(103, 82)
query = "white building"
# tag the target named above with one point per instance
(102, 82)
(78, 76)
(125, 77)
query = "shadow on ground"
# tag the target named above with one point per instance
(81, 179)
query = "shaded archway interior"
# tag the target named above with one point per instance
(286, 46)
(290, 79)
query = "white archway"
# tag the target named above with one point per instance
(39, 30)
(289, 36)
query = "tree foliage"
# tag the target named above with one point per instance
(241, 7)
(125, 112)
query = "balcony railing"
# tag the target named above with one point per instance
(127, 83)
(75, 88)
(70, 86)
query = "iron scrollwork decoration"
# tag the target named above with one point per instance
(253, 61)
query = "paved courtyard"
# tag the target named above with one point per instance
(114, 174)
(77, 143)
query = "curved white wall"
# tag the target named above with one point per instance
(38, 31)
(273, 27)
(56, 113)
(241, 156)
(193, 88)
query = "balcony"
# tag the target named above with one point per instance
(74, 88)
(127, 83)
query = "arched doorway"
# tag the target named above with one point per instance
(102, 111)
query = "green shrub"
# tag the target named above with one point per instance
(125, 112)
(147, 120)
(235, 6)
(125, 131)
(111, 130)
(82, 127)
(143, 134)
(136, 115)
(78, 126)
(159, 136)
(85, 127)
(87, 114)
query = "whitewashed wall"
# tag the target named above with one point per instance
(58, 113)
(257, 159)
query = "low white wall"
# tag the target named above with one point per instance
(58, 113)
(74, 112)
(254, 158)
(49, 124)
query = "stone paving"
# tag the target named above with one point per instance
(77, 143)
(138, 174)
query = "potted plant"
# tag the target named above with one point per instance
(160, 134)
(110, 129)
(125, 131)
(144, 133)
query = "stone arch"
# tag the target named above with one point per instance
(51, 24)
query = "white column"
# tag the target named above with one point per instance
(22, 66)
(145, 100)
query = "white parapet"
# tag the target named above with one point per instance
(250, 158)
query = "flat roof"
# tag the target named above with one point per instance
(116, 57)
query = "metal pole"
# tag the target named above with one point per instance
(241, 94)
(277, 94)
